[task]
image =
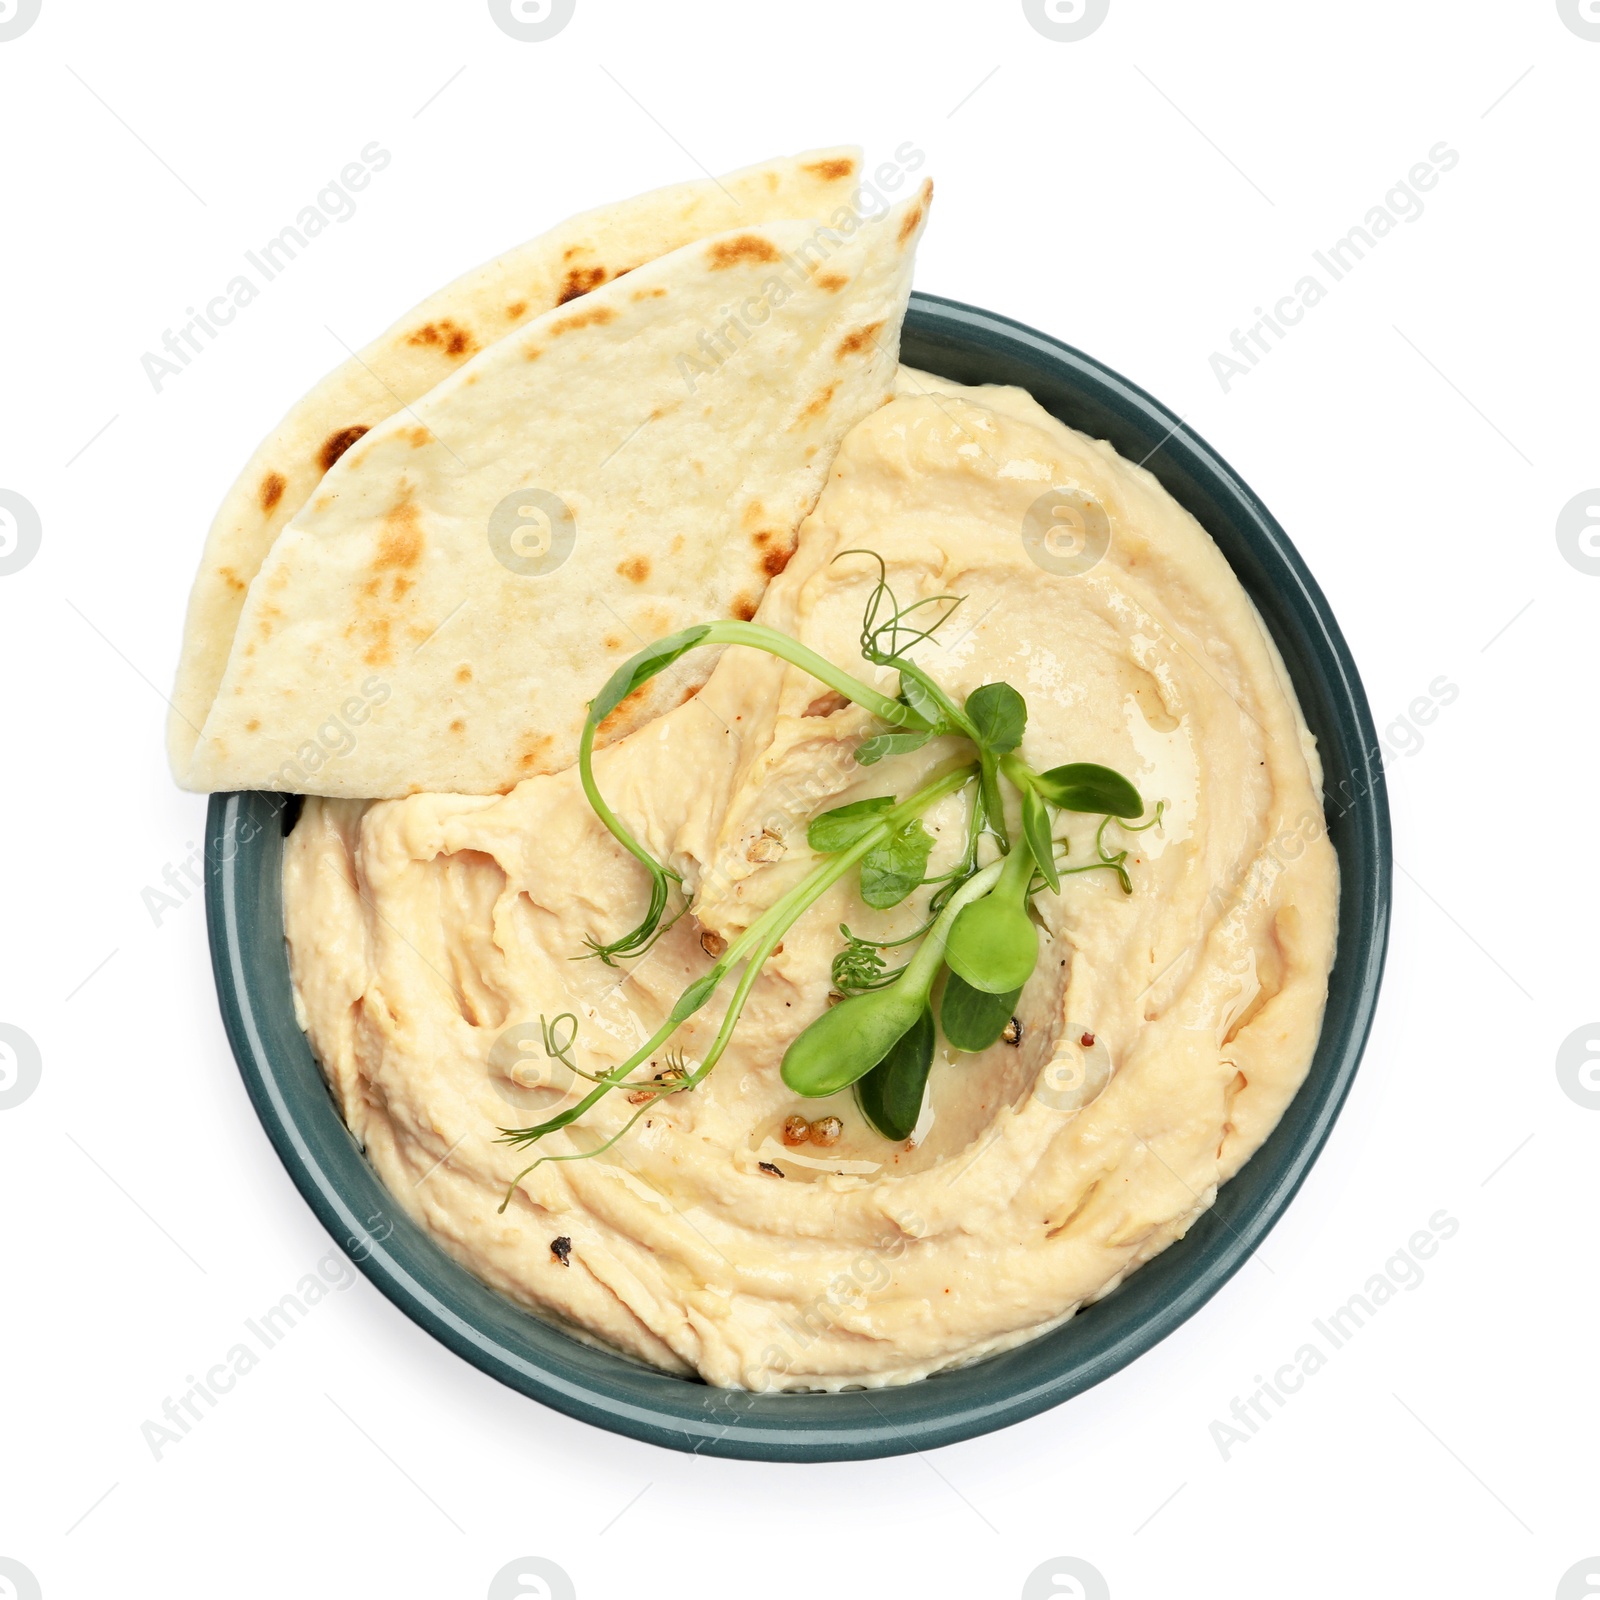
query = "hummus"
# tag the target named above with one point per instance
(1161, 1036)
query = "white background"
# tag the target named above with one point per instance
(1137, 193)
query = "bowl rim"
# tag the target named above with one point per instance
(243, 860)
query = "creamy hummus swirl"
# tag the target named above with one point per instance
(1161, 1036)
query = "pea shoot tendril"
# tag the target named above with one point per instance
(978, 925)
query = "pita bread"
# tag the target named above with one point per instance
(468, 573)
(433, 340)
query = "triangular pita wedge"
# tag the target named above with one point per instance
(468, 574)
(435, 339)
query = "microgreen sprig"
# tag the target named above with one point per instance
(637, 671)
(750, 949)
(979, 925)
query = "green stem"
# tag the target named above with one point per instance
(757, 637)
(920, 971)
(638, 670)
(755, 944)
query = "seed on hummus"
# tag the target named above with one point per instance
(770, 1169)
(826, 1131)
(796, 1130)
(561, 1249)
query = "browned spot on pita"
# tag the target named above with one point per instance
(853, 342)
(230, 577)
(370, 587)
(570, 252)
(272, 487)
(518, 310)
(378, 653)
(252, 725)
(744, 247)
(336, 444)
(532, 749)
(820, 404)
(419, 437)
(400, 587)
(753, 514)
(463, 673)
(831, 280)
(598, 315)
(449, 336)
(635, 569)
(744, 608)
(400, 543)
(620, 715)
(532, 353)
(649, 294)
(611, 642)
(774, 561)
(688, 694)
(831, 170)
(579, 281)
(910, 222)
(458, 726)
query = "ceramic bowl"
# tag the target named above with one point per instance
(244, 905)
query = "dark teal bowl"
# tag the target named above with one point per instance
(244, 839)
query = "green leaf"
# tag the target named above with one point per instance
(838, 829)
(1036, 830)
(891, 1094)
(696, 995)
(993, 943)
(1083, 786)
(848, 1040)
(891, 870)
(1000, 715)
(916, 691)
(642, 668)
(971, 1019)
(880, 745)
